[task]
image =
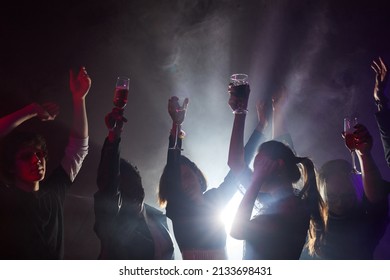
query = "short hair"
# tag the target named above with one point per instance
(11, 144)
(131, 188)
(165, 191)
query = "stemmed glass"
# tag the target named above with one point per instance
(179, 118)
(121, 92)
(349, 124)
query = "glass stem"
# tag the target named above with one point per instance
(353, 162)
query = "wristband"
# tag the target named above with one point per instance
(240, 112)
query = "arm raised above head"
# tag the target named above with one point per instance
(45, 112)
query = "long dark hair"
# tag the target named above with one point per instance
(297, 168)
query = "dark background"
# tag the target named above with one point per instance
(321, 51)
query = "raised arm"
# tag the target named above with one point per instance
(44, 112)
(77, 148)
(243, 227)
(236, 159)
(80, 84)
(108, 170)
(280, 130)
(170, 179)
(383, 114)
(372, 179)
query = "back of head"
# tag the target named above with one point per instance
(166, 190)
(131, 183)
(11, 144)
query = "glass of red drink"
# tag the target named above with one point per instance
(239, 88)
(349, 138)
(121, 92)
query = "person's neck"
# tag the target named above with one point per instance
(27, 187)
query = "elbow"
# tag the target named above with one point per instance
(236, 233)
(237, 166)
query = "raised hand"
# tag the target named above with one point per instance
(265, 167)
(176, 111)
(79, 83)
(47, 111)
(279, 98)
(115, 119)
(261, 115)
(381, 77)
(363, 140)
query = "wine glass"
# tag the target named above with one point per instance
(179, 116)
(121, 92)
(349, 124)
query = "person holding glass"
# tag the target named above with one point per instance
(193, 208)
(127, 227)
(287, 215)
(357, 204)
(32, 202)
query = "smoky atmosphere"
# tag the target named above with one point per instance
(321, 51)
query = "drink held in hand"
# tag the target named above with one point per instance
(121, 92)
(349, 138)
(239, 88)
(350, 141)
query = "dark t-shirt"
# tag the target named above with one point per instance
(283, 226)
(32, 225)
(354, 237)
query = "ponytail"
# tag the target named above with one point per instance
(317, 207)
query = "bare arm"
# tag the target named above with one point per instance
(279, 102)
(77, 148)
(372, 179)
(236, 160)
(45, 112)
(243, 227)
(381, 78)
(79, 86)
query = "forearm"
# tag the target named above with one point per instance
(372, 179)
(75, 153)
(108, 170)
(383, 122)
(80, 121)
(236, 160)
(11, 121)
(241, 221)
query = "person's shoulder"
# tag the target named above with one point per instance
(151, 210)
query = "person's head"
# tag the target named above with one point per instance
(336, 182)
(287, 170)
(192, 182)
(23, 158)
(131, 187)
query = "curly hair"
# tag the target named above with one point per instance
(9, 147)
